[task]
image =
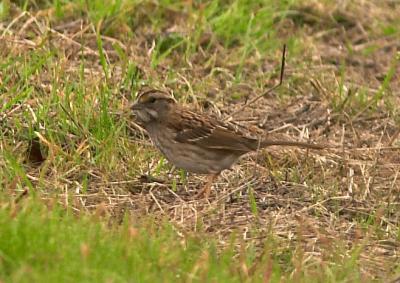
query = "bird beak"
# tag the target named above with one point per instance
(135, 107)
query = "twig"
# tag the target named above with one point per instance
(66, 38)
(156, 201)
(15, 20)
(267, 91)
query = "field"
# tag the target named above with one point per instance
(86, 197)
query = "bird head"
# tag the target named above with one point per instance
(152, 105)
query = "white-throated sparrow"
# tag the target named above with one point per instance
(195, 142)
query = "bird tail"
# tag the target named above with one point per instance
(266, 143)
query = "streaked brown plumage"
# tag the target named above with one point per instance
(195, 142)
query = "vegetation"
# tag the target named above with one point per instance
(76, 199)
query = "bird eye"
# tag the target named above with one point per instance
(152, 100)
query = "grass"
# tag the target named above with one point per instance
(38, 244)
(71, 158)
(44, 242)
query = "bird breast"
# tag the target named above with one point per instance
(190, 157)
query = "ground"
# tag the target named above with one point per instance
(70, 69)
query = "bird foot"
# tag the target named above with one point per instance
(206, 190)
(204, 193)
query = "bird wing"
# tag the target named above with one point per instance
(207, 132)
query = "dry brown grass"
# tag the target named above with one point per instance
(317, 202)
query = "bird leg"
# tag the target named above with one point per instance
(206, 190)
